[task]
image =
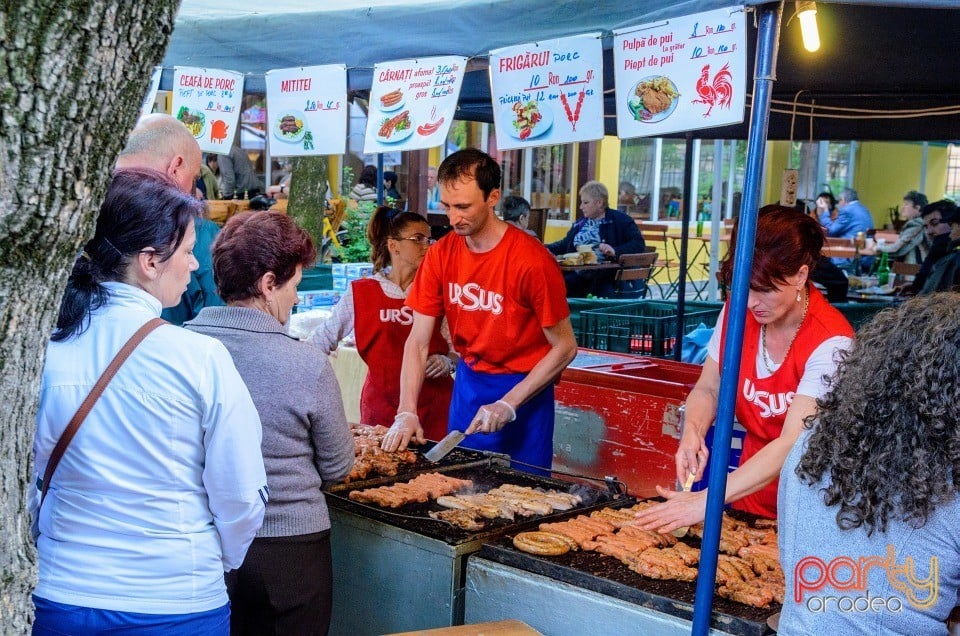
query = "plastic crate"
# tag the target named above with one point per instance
(646, 328)
(579, 305)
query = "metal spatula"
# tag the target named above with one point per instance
(444, 446)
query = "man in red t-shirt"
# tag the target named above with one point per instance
(504, 299)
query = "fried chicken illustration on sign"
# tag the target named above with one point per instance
(715, 92)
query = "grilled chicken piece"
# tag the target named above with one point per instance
(463, 519)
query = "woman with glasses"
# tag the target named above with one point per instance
(373, 309)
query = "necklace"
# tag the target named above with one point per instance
(767, 360)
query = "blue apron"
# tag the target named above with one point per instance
(528, 439)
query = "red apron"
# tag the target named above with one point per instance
(762, 403)
(381, 325)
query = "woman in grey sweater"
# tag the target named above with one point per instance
(284, 585)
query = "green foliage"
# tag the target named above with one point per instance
(346, 181)
(458, 134)
(356, 249)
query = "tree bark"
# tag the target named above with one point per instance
(308, 195)
(72, 78)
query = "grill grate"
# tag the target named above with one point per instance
(485, 474)
(607, 575)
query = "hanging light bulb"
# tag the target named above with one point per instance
(807, 12)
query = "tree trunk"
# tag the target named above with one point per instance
(72, 77)
(308, 195)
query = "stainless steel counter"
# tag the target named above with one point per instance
(388, 579)
(494, 591)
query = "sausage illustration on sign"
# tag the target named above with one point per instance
(425, 130)
(394, 124)
(392, 98)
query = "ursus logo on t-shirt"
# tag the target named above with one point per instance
(402, 316)
(770, 404)
(472, 297)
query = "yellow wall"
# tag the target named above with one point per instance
(333, 174)
(433, 158)
(778, 154)
(883, 172)
(608, 166)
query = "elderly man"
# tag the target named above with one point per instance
(501, 293)
(161, 142)
(609, 232)
(853, 217)
(516, 212)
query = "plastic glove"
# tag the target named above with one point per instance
(692, 455)
(438, 366)
(406, 428)
(490, 418)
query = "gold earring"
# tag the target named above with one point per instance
(799, 295)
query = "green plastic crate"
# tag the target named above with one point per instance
(579, 305)
(646, 328)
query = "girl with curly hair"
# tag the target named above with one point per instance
(868, 496)
(789, 341)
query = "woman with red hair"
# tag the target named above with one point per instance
(790, 338)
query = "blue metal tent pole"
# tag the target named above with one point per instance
(768, 35)
(688, 196)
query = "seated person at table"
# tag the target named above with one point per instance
(945, 274)
(516, 212)
(936, 223)
(868, 496)
(853, 217)
(826, 210)
(832, 278)
(911, 246)
(611, 233)
(627, 198)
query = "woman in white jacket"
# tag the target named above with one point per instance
(163, 488)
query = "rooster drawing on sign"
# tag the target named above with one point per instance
(716, 92)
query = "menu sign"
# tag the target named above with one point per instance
(681, 74)
(412, 103)
(147, 107)
(307, 110)
(548, 92)
(207, 101)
